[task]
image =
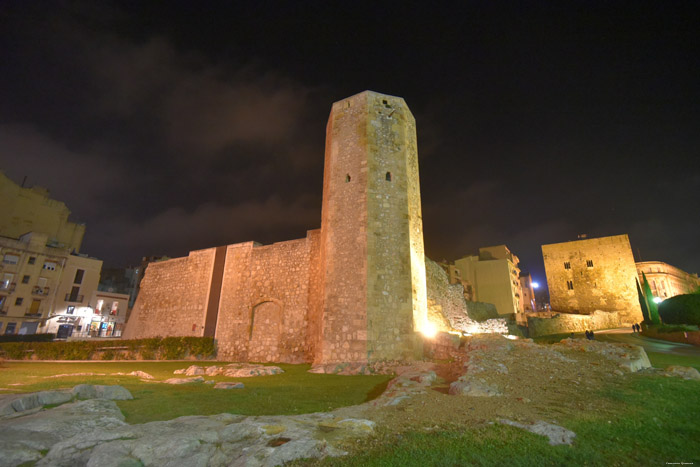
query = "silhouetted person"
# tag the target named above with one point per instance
(639, 327)
(592, 335)
(634, 327)
(588, 336)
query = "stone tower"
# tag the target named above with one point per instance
(372, 256)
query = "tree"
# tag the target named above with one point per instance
(643, 302)
(651, 305)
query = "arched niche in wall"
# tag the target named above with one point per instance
(266, 319)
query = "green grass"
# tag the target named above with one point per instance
(660, 360)
(292, 392)
(653, 421)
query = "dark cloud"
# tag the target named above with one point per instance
(172, 128)
(83, 181)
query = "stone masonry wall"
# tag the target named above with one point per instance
(395, 257)
(264, 302)
(173, 297)
(449, 299)
(608, 284)
(560, 323)
(343, 335)
(369, 231)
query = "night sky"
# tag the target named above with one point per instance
(173, 126)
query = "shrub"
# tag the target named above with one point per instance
(169, 348)
(681, 309)
(664, 328)
(27, 338)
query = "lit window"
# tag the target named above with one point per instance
(115, 308)
(70, 310)
(98, 307)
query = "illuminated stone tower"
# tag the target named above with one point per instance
(372, 256)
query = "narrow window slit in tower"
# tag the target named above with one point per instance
(388, 176)
(386, 104)
(347, 178)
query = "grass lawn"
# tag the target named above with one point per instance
(292, 392)
(654, 421)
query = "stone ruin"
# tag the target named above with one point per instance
(354, 291)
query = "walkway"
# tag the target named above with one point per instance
(626, 336)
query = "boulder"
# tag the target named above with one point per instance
(98, 391)
(473, 388)
(555, 433)
(684, 372)
(12, 404)
(196, 379)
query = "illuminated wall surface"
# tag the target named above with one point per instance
(353, 291)
(667, 281)
(31, 210)
(593, 274)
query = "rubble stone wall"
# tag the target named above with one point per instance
(560, 323)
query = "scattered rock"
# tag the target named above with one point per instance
(235, 370)
(75, 374)
(229, 385)
(196, 379)
(471, 387)
(632, 358)
(684, 372)
(140, 374)
(555, 433)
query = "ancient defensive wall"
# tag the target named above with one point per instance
(353, 291)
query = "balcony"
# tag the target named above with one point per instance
(40, 290)
(8, 286)
(32, 315)
(74, 298)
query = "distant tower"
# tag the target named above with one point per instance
(372, 256)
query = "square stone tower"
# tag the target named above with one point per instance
(372, 255)
(593, 274)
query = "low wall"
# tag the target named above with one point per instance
(688, 337)
(559, 323)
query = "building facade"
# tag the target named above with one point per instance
(39, 282)
(352, 291)
(667, 281)
(527, 301)
(593, 274)
(32, 210)
(494, 277)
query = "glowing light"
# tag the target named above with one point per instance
(658, 300)
(510, 336)
(535, 285)
(429, 329)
